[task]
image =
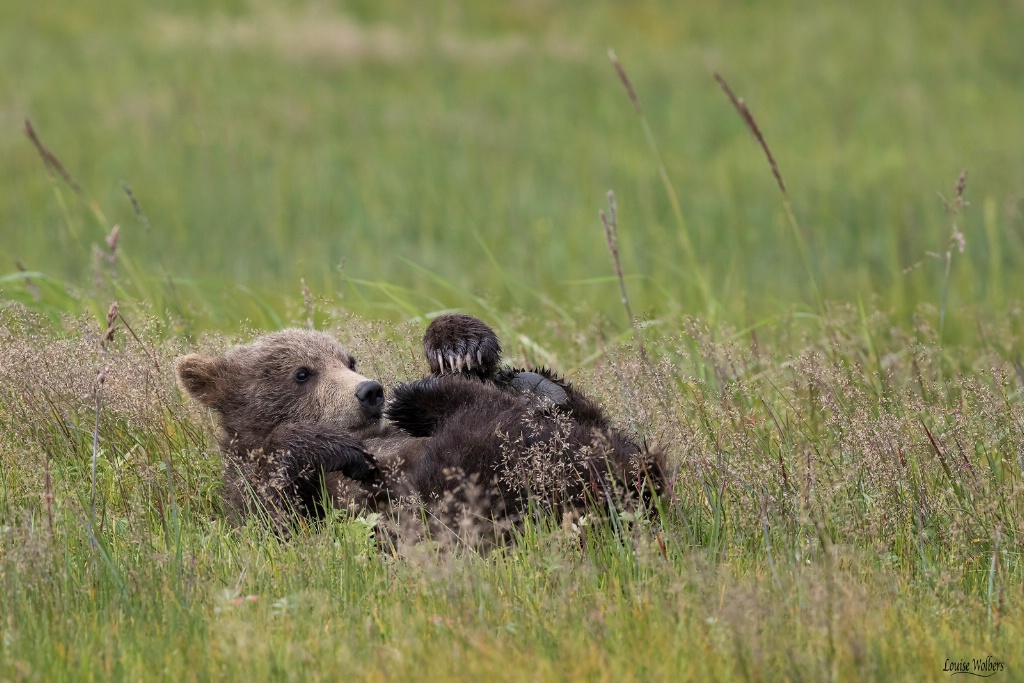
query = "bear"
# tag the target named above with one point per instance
(478, 443)
(515, 436)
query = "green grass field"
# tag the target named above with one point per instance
(839, 388)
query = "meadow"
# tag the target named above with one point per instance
(834, 369)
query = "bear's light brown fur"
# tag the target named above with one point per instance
(279, 402)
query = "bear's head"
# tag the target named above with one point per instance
(284, 377)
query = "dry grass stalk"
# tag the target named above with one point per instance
(50, 160)
(104, 263)
(684, 234)
(610, 221)
(626, 82)
(748, 118)
(101, 378)
(119, 316)
(30, 286)
(135, 205)
(112, 238)
(956, 239)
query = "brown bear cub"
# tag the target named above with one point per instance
(291, 408)
(475, 441)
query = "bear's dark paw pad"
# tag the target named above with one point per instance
(541, 387)
(461, 344)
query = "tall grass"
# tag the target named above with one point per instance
(827, 519)
(798, 238)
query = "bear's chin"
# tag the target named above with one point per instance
(371, 427)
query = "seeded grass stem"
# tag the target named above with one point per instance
(610, 220)
(54, 165)
(101, 378)
(135, 206)
(798, 237)
(693, 264)
(956, 241)
(50, 160)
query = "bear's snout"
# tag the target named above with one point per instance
(370, 395)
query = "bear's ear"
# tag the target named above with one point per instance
(201, 377)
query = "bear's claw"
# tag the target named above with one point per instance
(461, 344)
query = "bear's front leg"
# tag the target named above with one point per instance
(420, 408)
(457, 344)
(299, 455)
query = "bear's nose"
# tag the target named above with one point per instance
(371, 397)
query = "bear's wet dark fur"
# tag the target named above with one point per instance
(474, 440)
(522, 436)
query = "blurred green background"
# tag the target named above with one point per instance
(407, 157)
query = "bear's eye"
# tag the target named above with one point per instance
(303, 374)
(351, 363)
